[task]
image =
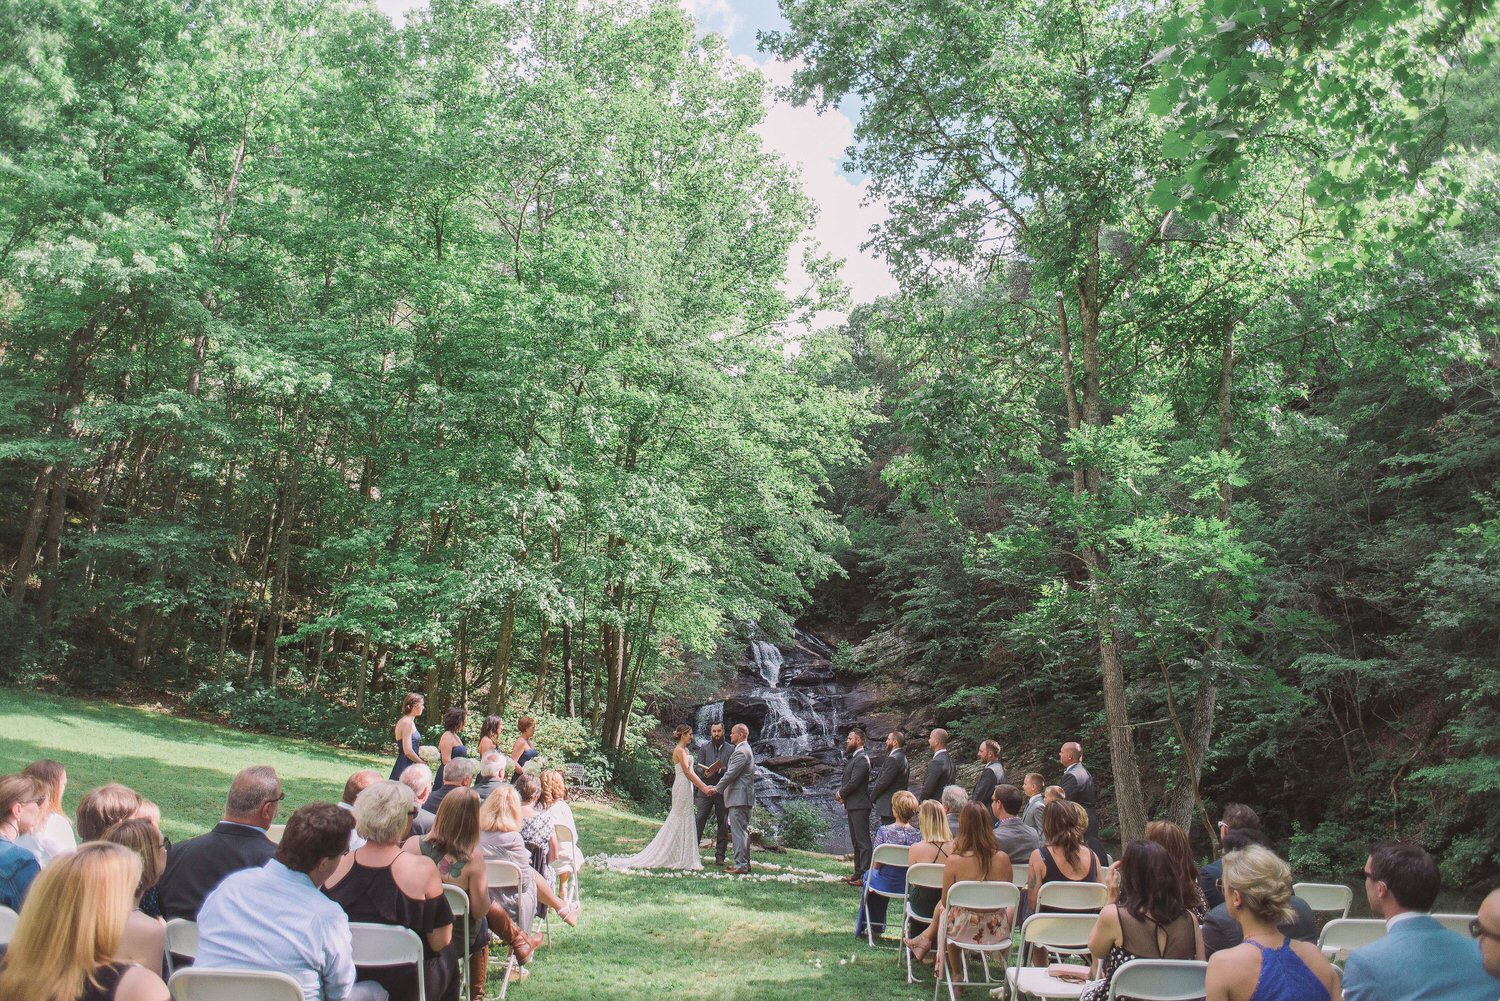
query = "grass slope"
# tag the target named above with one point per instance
(691, 938)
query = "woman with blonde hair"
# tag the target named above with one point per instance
(53, 837)
(453, 846)
(1063, 857)
(1267, 966)
(888, 879)
(65, 944)
(937, 838)
(976, 855)
(21, 799)
(104, 806)
(145, 938)
(555, 803)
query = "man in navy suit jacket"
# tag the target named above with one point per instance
(1419, 959)
(197, 866)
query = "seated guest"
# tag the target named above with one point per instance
(1175, 840)
(453, 846)
(1032, 786)
(104, 806)
(53, 837)
(1418, 959)
(150, 904)
(1486, 928)
(196, 866)
(500, 820)
(418, 778)
(145, 938)
(70, 930)
(954, 798)
(457, 774)
(537, 828)
(1051, 794)
(1015, 838)
(353, 786)
(937, 840)
(555, 802)
(21, 799)
(1237, 817)
(381, 884)
(1150, 920)
(889, 879)
(488, 776)
(275, 918)
(1063, 856)
(1222, 931)
(1269, 966)
(976, 855)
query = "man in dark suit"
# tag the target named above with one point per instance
(457, 773)
(1220, 931)
(713, 758)
(892, 778)
(1078, 785)
(1237, 817)
(940, 770)
(991, 773)
(196, 867)
(854, 793)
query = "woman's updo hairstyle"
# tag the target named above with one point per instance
(682, 728)
(1263, 881)
(410, 702)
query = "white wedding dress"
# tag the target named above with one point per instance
(676, 844)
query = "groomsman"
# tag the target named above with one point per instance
(991, 773)
(713, 758)
(854, 793)
(940, 769)
(893, 777)
(1078, 786)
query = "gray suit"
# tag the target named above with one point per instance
(855, 790)
(737, 785)
(939, 776)
(1018, 841)
(891, 780)
(1032, 815)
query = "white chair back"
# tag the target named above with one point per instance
(8, 921)
(1066, 933)
(565, 834)
(458, 902)
(983, 895)
(896, 855)
(1342, 934)
(274, 833)
(389, 945)
(1455, 922)
(1159, 980)
(182, 940)
(233, 985)
(502, 875)
(1326, 898)
(1080, 897)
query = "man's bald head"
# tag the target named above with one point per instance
(1071, 753)
(254, 797)
(740, 733)
(1489, 934)
(937, 739)
(358, 783)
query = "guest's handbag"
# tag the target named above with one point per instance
(1069, 973)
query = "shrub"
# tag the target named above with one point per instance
(638, 777)
(308, 715)
(802, 826)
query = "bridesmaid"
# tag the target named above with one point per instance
(407, 737)
(522, 750)
(451, 743)
(489, 740)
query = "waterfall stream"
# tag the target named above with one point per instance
(798, 712)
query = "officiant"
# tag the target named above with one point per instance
(713, 756)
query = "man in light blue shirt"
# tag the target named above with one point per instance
(1418, 959)
(277, 918)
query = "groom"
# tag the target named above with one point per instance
(737, 786)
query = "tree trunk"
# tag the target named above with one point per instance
(26, 558)
(52, 545)
(544, 647)
(567, 666)
(500, 675)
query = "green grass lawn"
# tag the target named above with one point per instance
(655, 939)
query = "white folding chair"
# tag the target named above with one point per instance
(458, 902)
(8, 921)
(233, 985)
(1066, 933)
(1342, 935)
(274, 833)
(1455, 922)
(926, 874)
(384, 946)
(974, 895)
(502, 875)
(1159, 980)
(182, 940)
(1326, 898)
(1073, 897)
(896, 857)
(567, 859)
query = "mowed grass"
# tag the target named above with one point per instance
(691, 938)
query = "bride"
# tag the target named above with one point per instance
(676, 844)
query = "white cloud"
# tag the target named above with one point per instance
(713, 15)
(815, 145)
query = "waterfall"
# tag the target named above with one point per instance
(768, 661)
(785, 731)
(707, 716)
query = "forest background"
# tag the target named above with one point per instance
(340, 359)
